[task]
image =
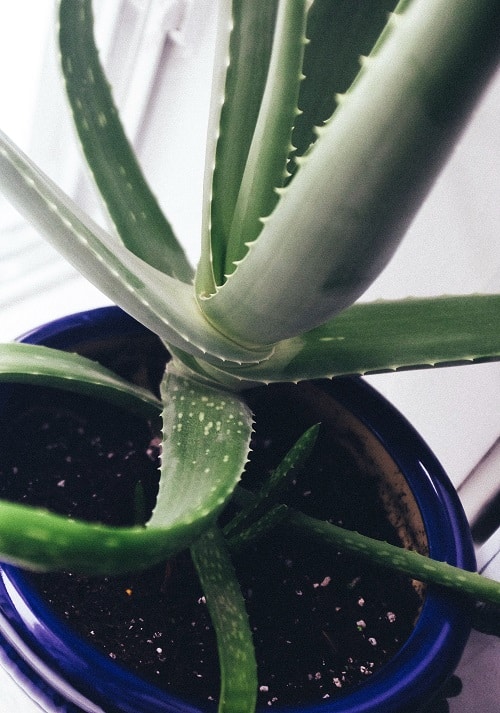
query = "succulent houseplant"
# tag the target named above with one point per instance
(316, 164)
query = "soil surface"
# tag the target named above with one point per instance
(322, 621)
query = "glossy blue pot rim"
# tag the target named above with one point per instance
(69, 676)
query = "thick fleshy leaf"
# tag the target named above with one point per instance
(413, 564)
(341, 218)
(244, 39)
(43, 366)
(339, 32)
(39, 540)
(280, 478)
(258, 529)
(204, 454)
(131, 205)
(205, 447)
(265, 169)
(385, 336)
(238, 667)
(162, 303)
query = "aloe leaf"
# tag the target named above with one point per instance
(162, 303)
(258, 529)
(203, 457)
(386, 336)
(226, 606)
(338, 33)
(265, 168)
(399, 559)
(205, 448)
(131, 205)
(39, 540)
(245, 33)
(341, 218)
(276, 483)
(43, 366)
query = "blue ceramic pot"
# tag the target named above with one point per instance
(64, 674)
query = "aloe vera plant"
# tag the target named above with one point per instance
(316, 164)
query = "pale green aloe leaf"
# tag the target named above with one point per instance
(338, 33)
(385, 336)
(238, 667)
(349, 204)
(265, 168)
(43, 366)
(134, 210)
(244, 39)
(205, 447)
(162, 303)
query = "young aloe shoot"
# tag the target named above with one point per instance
(316, 164)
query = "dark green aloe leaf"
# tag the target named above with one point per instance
(134, 210)
(278, 481)
(249, 53)
(266, 166)
(339, 33)
(258, 529)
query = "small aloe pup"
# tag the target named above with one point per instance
(316, 164)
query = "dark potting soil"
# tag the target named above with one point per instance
(322, 621)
